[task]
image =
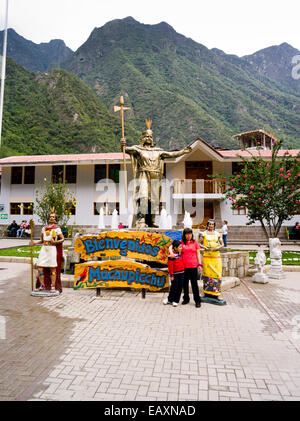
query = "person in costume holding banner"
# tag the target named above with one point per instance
(211, 242)
(148, 164)
(51, 236)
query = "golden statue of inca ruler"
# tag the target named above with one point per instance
(148, 161)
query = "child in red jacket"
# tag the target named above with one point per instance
(176, 272)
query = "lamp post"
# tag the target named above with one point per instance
(3, 71)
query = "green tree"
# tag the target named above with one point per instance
(54, 196)
(269, 189)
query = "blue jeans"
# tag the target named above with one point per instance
(225, 239)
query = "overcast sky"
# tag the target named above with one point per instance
(234, 26)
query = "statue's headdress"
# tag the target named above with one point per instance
(52, 211)
(148, 133)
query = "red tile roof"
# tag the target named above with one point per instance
(255, 152)
(118, 156)
(43, 159)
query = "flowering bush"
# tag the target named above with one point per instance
(269, 190)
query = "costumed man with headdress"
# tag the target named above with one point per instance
(50, 257)
(148, 164)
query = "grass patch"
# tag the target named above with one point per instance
(24, 251)
(288, 257)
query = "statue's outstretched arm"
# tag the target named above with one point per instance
(176, 154)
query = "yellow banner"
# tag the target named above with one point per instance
(119, 274)
(133, 244)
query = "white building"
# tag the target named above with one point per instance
(22, 176)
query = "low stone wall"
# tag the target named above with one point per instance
(235, 264)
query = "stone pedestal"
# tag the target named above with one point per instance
(44, 293)
(276, 271)
(260, 278)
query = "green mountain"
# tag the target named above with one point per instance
(55, 113)
(187, 89)
(35, 57)
(276, 62)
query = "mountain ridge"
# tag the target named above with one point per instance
(35, 57)
(276, 62)
(155, 58)
(55, 113)
(187, 89)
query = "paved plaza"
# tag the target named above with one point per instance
(122, 347)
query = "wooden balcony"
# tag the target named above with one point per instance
(216, 186)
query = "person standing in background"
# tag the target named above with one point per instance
(224, 232)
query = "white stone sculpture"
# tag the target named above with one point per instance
(276, 271)
(115, 220)
(130, 220)
(187, 222)
(169, 222)
(101, 224)
(163, 220)
(260, 261)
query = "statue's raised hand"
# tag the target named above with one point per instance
(187, 149)
(123, 142)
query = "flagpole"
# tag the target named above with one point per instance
(3, 71)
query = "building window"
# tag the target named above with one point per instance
(64, 174)
(29, 175)
(57, 174)
(107, 207)
(100, 172)
(16, 175)
(239, 211)
(28, 208)
(15, 208)
(113, 172)
(97, 207)
(237, 167)
(71, 174)
(70, 208)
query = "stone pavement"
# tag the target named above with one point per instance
(121, 347)
(6, 243)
